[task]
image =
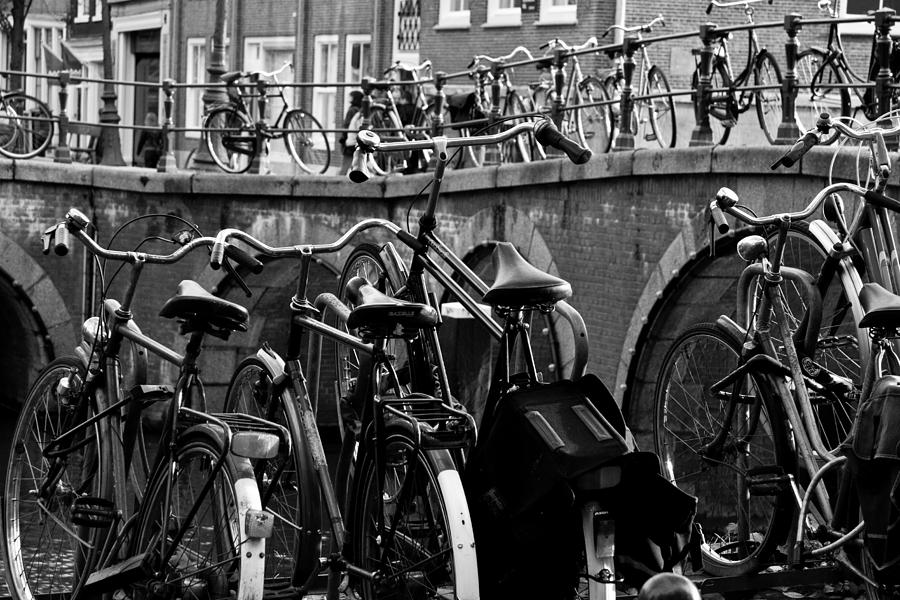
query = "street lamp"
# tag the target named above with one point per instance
(213, 95)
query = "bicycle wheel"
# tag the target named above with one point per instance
(26, 126)
(46, 552)
(593, 123)
(215, 558)
(410, 522)
(768, 102)
(842, 348)
(661, 111)
(294, 549)
(306, 142)
(722, 110)
(742, 519)
(816, 77)
(522, 147)
(230, 138)
(385, 125)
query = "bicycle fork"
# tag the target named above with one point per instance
(599, 530)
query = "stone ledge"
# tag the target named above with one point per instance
(39, 169)
(667, 161)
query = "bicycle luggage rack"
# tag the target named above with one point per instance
(439, 426)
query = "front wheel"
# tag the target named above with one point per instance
(818, 91)
(306, 142)
(594, 123)
(768, 101)
(660, 110)
(26, 126)
(722, 105)
(410, 522)
(723, 447)
(230, 139)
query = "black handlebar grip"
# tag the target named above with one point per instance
(547, 134)
(217, 255)
(718, 217)
(61, 241)
(881, 200)
(244, 259)
(709, 8)
(359, 168)
(797, 151)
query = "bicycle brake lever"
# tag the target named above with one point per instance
(229, 268)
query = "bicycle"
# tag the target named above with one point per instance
(234, 138)
(87, 510)
(26, 125)
(562, 97)
(774, 409)
(731, 97)
(657, 109)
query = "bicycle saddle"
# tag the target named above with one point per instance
(881, 307)
(193, 303)
(231, 76)
(381, 314)
(520, 284)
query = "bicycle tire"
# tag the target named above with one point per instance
(613, 88)
(594, 123)
(26, 126)
(437, 527)
(306, 142)
(292, 553)
(842, 347)
(815, 92)
(216, 558)
(742, 529)
(230, 138)
(522, 148)
(42, 555)
(768, 102)
(722, 104)
(661, 110)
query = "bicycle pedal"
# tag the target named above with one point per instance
(650, 137)
(767, 480)
(111, 578)
(90, 511)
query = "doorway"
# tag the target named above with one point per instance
(145, 46)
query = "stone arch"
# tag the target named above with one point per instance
(687, 287)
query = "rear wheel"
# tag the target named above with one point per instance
(768, 101)
(661, 110)
(522, 147)
(230, 139)
(26, 126)
(306, 141)
(722, 106)
(294, 549)
(816, 91)
(594, 123)
(721, 446)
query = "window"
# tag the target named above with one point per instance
(269, 55)
(38, 34)
(859, 8)
(325, 70)
(454, 14)
(504, 13)
(555, 12)
(193, 97)
(83, 11)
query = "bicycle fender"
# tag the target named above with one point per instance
(273, 362)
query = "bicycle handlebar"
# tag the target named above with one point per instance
(402, 66)
(591, 42)
(719, 4)
(500, 59)
(274, 73)
(646, 28)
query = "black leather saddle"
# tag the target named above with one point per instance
(231, 77)
(881, 307)
(198, 308)
(519, 284)
(381, 315)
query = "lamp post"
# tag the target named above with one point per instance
(109, 113)
(213, 95)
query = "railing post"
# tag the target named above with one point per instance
(167, 162)
(884, 19)
(440, 99)
(789, 131)
(260, 162)
(702, 134)
(625, 138)
(63, 155)
(365, 105)
(560, 58)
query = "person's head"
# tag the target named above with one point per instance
(669, 586)
(150, 120)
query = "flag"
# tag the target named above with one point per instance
(52, 62)
(69, 59)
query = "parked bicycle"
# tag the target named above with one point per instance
(653, 116)
(776, 399)
(574, 101)
(731, 96)
(87, 509)
(234, 136)
(26, 125)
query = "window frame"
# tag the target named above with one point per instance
(865, 28)
(453, 19)
(502, 17)
(190, 94)
(320, 92)
(558, 15)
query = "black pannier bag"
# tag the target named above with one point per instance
(547, 450)
(464, 107)
(874, 461)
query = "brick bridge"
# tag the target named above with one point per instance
(626, 230)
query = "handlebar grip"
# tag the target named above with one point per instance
(359, 168)
(547, 134)
(217, 256)
(709, 8)
(718, 217)
(244, 259)
(797, 151)
(881, 200)
(61, 241)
